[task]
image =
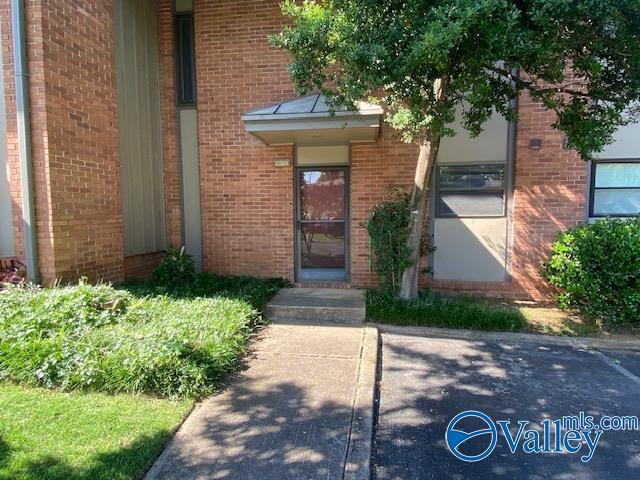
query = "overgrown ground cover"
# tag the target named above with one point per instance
(435, 310)
(135, 339)
(449, 311)
(96, 378)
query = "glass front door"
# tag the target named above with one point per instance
(321, 224)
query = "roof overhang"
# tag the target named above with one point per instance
(308, 121)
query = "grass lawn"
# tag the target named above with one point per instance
(446, 311)
(95, 379)
(51, 435)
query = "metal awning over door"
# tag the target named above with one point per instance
(308, 121)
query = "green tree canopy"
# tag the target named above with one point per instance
(423, 59)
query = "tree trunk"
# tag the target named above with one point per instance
(429, 146)
(419, 206)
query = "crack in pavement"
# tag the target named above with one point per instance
(307, 355)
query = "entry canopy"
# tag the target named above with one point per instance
(307, 121)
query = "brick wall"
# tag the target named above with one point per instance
(247, 203)
(550, 193)
(74, 138)
(168, 118)
(373, 168)
(12, 147)
(140, 267)
(82, 139)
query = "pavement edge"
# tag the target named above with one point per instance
(358, 460)
(512, 337)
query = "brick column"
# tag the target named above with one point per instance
(549, 195)
(13, 162)
(168, 113)
(75, 138)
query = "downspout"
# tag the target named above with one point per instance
(24, 138)
(510, 183)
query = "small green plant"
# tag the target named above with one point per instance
(175, 270)
(596, 269)
(388, 229)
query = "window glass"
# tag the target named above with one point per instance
(615, 189)
(322, 194)
(618, 201)
(473, 176)
(185, 60)
(322, 245)
(471, 190)
(617, 175)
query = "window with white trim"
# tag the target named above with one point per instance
(615, 188)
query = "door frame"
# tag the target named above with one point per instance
(297, 253)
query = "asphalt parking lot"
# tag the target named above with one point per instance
(426, 382)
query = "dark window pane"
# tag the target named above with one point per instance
(322, 195)
(471, 176)
(322, 245)
(185, 60)
(471, 204)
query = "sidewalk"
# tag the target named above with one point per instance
(300, 411)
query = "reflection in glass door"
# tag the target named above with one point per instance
(321, 224)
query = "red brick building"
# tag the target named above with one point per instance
(158, 122)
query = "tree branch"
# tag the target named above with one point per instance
(534, 87)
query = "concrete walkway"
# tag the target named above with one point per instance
(302, 410)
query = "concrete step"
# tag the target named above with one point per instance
(320, 305)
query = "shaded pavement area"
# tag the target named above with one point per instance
(288, 416)
(425, 382)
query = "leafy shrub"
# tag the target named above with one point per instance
(435, 310)
(30, 311)
(388, 229)
(596, 268)
(118, 340)
(175, 270)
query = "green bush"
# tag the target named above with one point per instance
(175, 270)
(388, 229)
(435, 310)
(596, 268)
(129, 340)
